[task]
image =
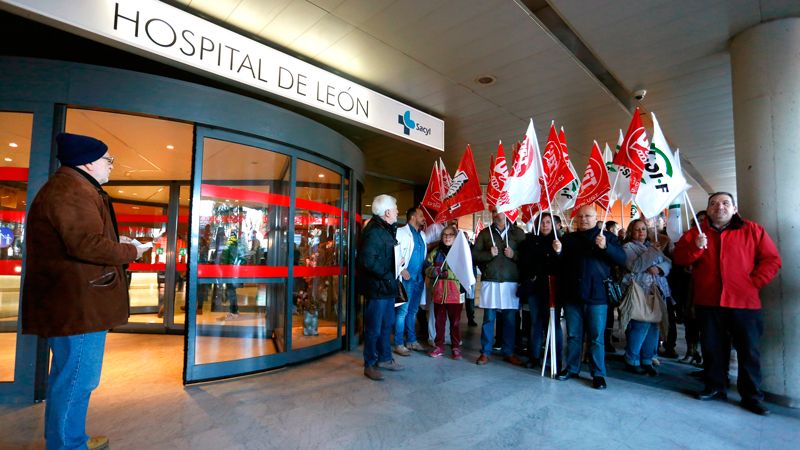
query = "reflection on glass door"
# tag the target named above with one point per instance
(15, 143)
(242, 218)
(149, 186)
(318, 233)
(145, 223)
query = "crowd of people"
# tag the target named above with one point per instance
(709, 280)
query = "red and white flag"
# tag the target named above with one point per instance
(495, 193)
(522, 184)
(565, 198)
(464, 194)
(595, 182)
(555, 166)
(434, 195)
(529, 212)
(634, 151)
(478, 226)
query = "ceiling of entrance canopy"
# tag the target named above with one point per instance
(431, 53)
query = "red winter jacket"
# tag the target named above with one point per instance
(739, 260)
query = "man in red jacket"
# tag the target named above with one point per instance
(731, 260)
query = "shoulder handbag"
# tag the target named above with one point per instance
(401, 296)
(647, 306)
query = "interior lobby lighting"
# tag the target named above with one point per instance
(170, 147)
(322, 175)
(7, 159)
(121, 191)
(13, 144)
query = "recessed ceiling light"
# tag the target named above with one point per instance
(13, 144)
(135, 193)
(134, 207)
(486, 80)
(7, 159)
(170, 147)
(322, 175)
(120, 191)
(368, 204)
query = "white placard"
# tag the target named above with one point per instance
(169, 34)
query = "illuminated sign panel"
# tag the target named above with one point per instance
(163, 32)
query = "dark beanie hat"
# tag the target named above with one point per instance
(76, 150)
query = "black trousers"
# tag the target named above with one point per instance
(672, 329)
(721, 327)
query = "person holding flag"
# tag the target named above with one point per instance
(584, 261)
(732, 259)
(536, 263)
(495, 253)
(446, 296)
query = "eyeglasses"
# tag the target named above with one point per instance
(109, 159)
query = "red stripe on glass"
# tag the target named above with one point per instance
(10, 267)
(13, 174)
(12, 216)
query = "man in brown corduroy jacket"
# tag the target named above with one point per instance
(75, 288)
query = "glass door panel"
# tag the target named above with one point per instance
(318, 232)
(145, 223)
(181, 256)
(242, 217)
(15, 144)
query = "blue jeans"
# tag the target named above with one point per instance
(74, 374)
(642, 343)
(400, 313)
(409, 320)
(509, 321)
(539, 310)
(593, 318)
(378, 323)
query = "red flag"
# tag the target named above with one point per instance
(556, 168)
(529, 211)
(478, 226)
(495, 192)
(432, 200)
(464, 195)
(595, 181)
(562, 138)
(634, 150)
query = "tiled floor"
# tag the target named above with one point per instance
(434, 403)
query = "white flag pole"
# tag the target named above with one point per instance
(691, 207)
(616, 177)
(553, 324)
(547, 345)
(689, 202)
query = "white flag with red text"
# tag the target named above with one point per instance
(522, 184)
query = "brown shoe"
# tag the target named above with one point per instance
(97, 443)
(402, 350)
(373, 373)
(390, 365)
(514, 360)
(482, 360)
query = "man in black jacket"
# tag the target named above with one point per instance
(584, 263)
(378, 279)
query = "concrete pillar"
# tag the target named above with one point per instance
(765, 62)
